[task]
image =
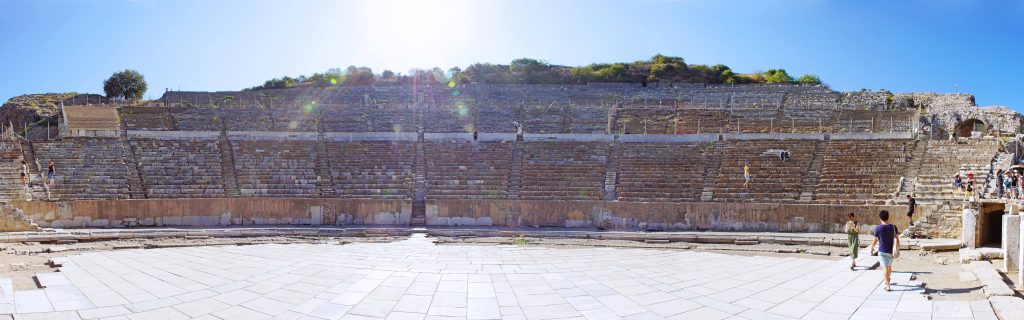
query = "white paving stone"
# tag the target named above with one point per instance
(417, 280)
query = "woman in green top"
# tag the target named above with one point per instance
(852, 233)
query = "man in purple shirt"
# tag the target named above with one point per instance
(886, 235)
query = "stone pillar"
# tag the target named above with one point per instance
(970, 225)
(1011, 242)
(1020, 257)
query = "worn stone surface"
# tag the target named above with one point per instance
(415, 279)
(990, 279)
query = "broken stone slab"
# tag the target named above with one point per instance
(57, 249)
(746, 242)
(941, 246)
(1008, 308)
(682, 238)
(656, 241)
(719, 239)
(969, 255)
(992, 283)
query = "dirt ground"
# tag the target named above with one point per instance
(940, 272)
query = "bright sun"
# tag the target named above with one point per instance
(416, 31)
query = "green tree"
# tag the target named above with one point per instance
(128, 85)
(777, 76)
(387, 74)
(809, 79)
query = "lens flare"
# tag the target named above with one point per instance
(460, 110)
(397, 128)
(451, 84)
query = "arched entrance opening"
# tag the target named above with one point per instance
(967, 128)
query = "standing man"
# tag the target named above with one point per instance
(888, 241)
(911, 203)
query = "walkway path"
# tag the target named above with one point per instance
(415, 279)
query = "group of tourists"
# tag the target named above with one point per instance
(1011, 184)
(51, 172)
(886, 238)
(967, 187)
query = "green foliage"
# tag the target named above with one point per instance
(659, 68)
(809, 79)
(128, 85)
(773, 76)
(520, 240)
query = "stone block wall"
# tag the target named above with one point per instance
(483, 212)
(12, 219)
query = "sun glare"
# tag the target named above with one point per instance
(421, 32)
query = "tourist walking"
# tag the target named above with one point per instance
(1004, 186)
(852, 238)
(51, 171)
(888, 241)
(746, 175)
(911, 203)
(24, 173)
(957, 182)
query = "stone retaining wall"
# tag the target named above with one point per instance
(501, 213)
(215, 212)
(658, 216)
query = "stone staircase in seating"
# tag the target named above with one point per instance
(713, 166)
(813, 176)
(10, 171)
(87, 168)
(934, 189)
(38, 190)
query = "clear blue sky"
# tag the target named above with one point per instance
(924, 45)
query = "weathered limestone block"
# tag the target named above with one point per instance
(1011, 242)
(970, 222)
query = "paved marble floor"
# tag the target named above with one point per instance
(415, 279)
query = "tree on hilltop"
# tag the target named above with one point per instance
(127, 85)
(809, 79)
(773, 76)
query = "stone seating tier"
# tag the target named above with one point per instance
(372, 169)
(180, 168)
(468, 170)
(90, 168)
(564, 171)
(773, 180)
(276, 169)
(661, 171)
(862, 170)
